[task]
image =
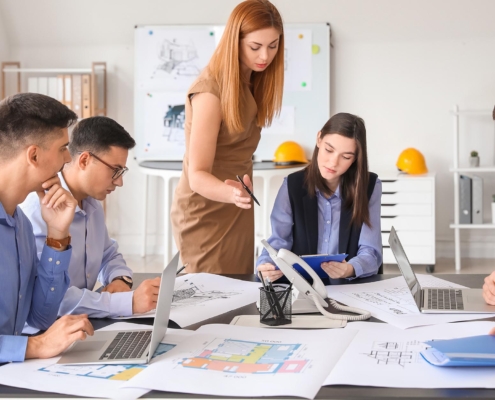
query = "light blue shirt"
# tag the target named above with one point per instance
(369, 256)
(30, 289)
(95, 256)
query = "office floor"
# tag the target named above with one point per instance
(154, 263)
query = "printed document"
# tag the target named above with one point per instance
(198, 297)
(227, 360)
(102, 381)
(382, 355)
(391, 301)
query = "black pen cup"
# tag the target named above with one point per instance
(276, 306)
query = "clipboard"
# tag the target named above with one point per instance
(315, 260)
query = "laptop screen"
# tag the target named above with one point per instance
(403, 262)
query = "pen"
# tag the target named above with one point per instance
(181, 269)
(247, 189)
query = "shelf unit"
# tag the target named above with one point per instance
(98, 86)
(457, 170)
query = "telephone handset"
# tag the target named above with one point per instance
(308, 298)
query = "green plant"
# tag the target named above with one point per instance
(474, 153)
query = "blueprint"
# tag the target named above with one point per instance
(227, 360)
(391, 301)
(382, 355)
(102, 381)
(198, 297)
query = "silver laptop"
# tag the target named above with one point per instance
(437, 300)
(129, 346)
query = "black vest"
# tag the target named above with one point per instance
(305, 217)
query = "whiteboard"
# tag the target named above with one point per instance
(169, 58)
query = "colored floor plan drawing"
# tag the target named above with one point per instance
(396, 353)
(237, 356)
(190, 294)
(112, 372)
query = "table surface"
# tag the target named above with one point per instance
(177, 165)
(326, 392)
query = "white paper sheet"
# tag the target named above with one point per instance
(164, 118)
(171, 59)
(391, 301)
(226, 360)
(381, 355)
(103, 381)
(198, 297)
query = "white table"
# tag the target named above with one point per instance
(169, 170)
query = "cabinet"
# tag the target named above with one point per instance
(83, 90)
(408, 204)
(457, 171)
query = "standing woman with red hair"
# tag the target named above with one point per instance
(238, 93)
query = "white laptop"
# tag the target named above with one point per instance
(130, 346)
(437, 300)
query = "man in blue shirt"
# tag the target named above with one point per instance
(33, 148)
(99, 148)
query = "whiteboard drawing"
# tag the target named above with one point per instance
(171, 59)
(164, 118)
(178, 58)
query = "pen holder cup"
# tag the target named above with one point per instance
(276, 306)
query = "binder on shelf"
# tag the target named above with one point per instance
(68, 91)
(43, 85)
(465, 206)
(52, 87)
(77, 95)
(60, 89)
(477, 199)
(32, 85)
(86, 96)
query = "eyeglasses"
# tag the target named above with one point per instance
(117, 172)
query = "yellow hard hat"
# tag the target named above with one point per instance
(289, 153)
(412, 162)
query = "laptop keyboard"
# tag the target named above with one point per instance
(127, 345)
(445, 299)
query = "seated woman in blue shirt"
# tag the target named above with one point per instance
(332, 206)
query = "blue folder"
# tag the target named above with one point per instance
(314, 261)
(474, 351)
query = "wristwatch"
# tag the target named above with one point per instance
(58, 244)
(126, 279)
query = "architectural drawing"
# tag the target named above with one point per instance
(396, 353)
(178, 58)
(190, 294)
(173, 122)
(238, 356)
(112, 372)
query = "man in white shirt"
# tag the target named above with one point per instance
(99, 147)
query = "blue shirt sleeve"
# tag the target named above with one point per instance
(50, 286)
(282, 222)
(97, 305)
(370, 251)
(12, 348)
(112, 264)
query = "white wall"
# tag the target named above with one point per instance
(400, 65)
(4, 43)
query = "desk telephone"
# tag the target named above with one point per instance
(308, 298)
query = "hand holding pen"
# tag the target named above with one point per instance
(242, 192)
